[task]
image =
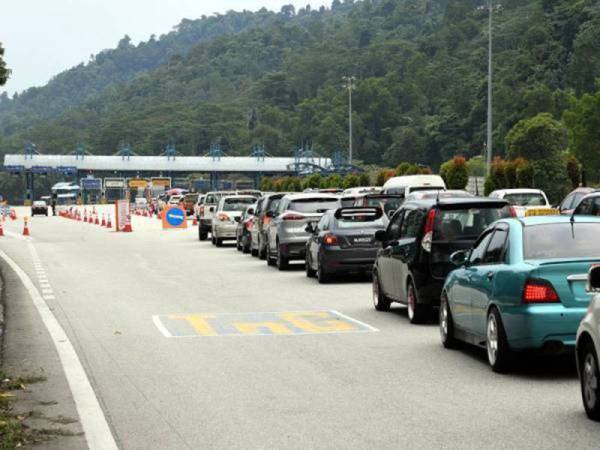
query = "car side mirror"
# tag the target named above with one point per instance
(251, 211)
(309, 228)
(237, 219)
(459, 258)
(381, 235)
(593, 282)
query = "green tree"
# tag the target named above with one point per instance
(364, 179)
(351, 180)
(551, 177)
(583, 123)
(266, 184)
(4, 72)
(536, 138)
(455, 173)
(573, 171)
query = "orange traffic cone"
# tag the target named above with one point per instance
(127, 228)
(13, 214)
(195, 222)
(97, 221)
(108, 222)
(1, 229)
(103, 224)
(25, 227)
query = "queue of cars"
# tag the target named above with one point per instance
(506, 273)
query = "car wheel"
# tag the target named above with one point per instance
(246, 245)
(417, 312)
(446, 323)
(219, 242)
(282, 260)
(238, 245)
(213, 240)
(322, 276)
(262, 249)
(380, 301)
(310, 272)
(590, 378)
(253, 252)
(268, 257)
(202, 234)
(498, 351)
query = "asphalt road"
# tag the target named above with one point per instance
(371, 380)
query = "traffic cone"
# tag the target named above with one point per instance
(1, 229)
(127, 227)
(108, 222)
(195, 221)
(13, 214)
(97, 221)
(103, 224)
(25, 227)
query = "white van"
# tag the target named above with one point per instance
(411, 183)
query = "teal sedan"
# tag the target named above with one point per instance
(522, 286)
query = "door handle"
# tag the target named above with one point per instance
(490, 275)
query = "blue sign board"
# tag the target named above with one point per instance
(14, 169)
(201, 185)
(42, 170)
(175, 217)
(91, 184)
(67, 170)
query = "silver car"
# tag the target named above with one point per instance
(224, 223)
(286, 234)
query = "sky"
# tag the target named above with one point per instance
(42, 38)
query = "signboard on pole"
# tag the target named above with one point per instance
(114, 183)
(174, 217)
(161, 182)
(91, 184)
(122, 216)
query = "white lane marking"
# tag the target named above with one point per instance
(161, 326)
(358, 322)
(49, 297)
(96, 429)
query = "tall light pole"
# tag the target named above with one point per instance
(349, 84)
(489, 99)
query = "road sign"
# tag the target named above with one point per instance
(41, 170)
(158, 182)
(114, 183)
(122, 215)
(91, 184)
(174, 217)
(138, 183)
(67, 170)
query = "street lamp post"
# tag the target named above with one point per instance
(349, 84)
(489, 99)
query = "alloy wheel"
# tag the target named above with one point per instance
(411, 303)
(375, 291)
(444, 319)
(590, 380)
(492, 339)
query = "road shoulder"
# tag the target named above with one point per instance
(44, 401)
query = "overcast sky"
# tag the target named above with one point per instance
(45, 37)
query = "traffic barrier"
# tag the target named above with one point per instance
(25, 227)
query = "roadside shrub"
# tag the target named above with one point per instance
(364, 179)
(489, 186)
(455, 173)
(383, 175)
(351, 180)
(525, 175)
(266, 184)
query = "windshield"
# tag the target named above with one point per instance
(532, 199)
(238, 203)
(560, 240)
(313, 205)
(465, 224)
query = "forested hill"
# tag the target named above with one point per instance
(420, 93)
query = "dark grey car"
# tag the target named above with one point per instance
(343, 242)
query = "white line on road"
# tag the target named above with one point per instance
(96, 429)
(161, 327)
(358, 322)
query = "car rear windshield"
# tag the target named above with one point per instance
(237, 204)
(388, 205)
(465, 223)
(561, 240)
(313, 205)
(532, 199)
(359, 219)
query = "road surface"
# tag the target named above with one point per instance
(191, 346)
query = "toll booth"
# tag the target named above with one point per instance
(114, 189)
(181, 183)
(159, 185)
(138, 188)
(201, 186)
(91, 190)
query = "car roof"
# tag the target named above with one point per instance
(226, 197)
(450, 201)
(543, 220)
(302, 195)
(519, 191)
(592, 195)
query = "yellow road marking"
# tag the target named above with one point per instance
(326, 326)
(254, 328)
(199, 323)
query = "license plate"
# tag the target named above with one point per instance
(362, 240)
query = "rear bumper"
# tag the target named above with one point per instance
(225, 231)
(536, 326)
(293, 250)
(351, 260)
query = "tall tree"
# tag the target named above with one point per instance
(4, 71)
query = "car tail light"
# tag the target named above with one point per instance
(539, 291)
(292, 216)
(428, 232)
(249, 223)
(223, 217)
(330, 239)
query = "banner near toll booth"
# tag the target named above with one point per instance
(174, 217)
(138, 183)
(122, 216)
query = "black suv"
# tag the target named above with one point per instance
(414, 260)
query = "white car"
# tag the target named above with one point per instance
(523, 200)
(410, 183)
(175, 199)
(229, 209)
(588, 347)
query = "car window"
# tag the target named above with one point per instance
(393, 231)
(589, 207)
(324, 223)
(313, 205)
(561, 240)
(274, 205)
(567, 202)
(528, 199)
(479, 249)
(495, 250)
(237, 203)
(412, 223)
(465, 224)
